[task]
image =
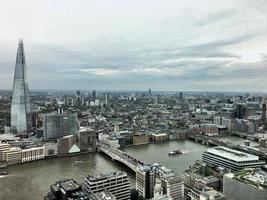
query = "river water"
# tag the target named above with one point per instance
(31, 181)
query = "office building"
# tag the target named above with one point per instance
(248, 184)
(31, 154)
(21, 119)
(65, 144)
(173, 186)
(117, 183)
(145, 181)
(12, 155)
(93, 95)
(59, 125)
(87, 139)
(230, 159)
(263, 113)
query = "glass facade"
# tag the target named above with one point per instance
(21, 120)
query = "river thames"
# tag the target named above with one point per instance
(31, 181)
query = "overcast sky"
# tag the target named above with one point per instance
(215, 45)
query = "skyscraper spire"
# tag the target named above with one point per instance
(21, 120)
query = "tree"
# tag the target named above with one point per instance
(134, 194)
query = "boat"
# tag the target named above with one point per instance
(78, 162)
(3, 173)
(175, 152)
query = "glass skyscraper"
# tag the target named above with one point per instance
(21, 119)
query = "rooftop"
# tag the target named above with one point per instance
(232, 154)
(105, 176)
(255, 177)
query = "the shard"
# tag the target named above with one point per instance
(21, 120)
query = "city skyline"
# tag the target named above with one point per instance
(135, 46)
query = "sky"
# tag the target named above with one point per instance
(171, 45)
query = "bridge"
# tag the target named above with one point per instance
(207, 140)
(120, 156)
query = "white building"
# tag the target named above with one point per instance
(230, 159)
(31, 154)
(117, 183)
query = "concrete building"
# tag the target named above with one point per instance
(249, 184)
(140, 139)
(31, 154)
(173, 186)
(161, 137)
(117, 183)
(230, 159)
(145, 181)
(64, 144)
(12, 155)
(3, 147)
(51, 149)
(87, 139)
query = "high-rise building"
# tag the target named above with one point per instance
(21, 119)
(145, 181)
(94, 95)
(263, 114)
(149, 92)
(248, 184)
(87, 139)
(60, 125)
(117, 183)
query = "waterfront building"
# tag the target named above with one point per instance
(51, 149)
(230, 159)
(3, 147)
(21, 119)
(117, 183)
(31, 154)
(145, 181)
(65, 145)
(140, 139)
(12, 155)
(159, 137)
(59, 125)
(87, 139)
(248, 184)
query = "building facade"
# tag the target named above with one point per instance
(59, 125)
(21, 119)
(230, 159)
(117, 183)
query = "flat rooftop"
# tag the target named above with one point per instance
(105, 176)
(231, 154)
(69, 185)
